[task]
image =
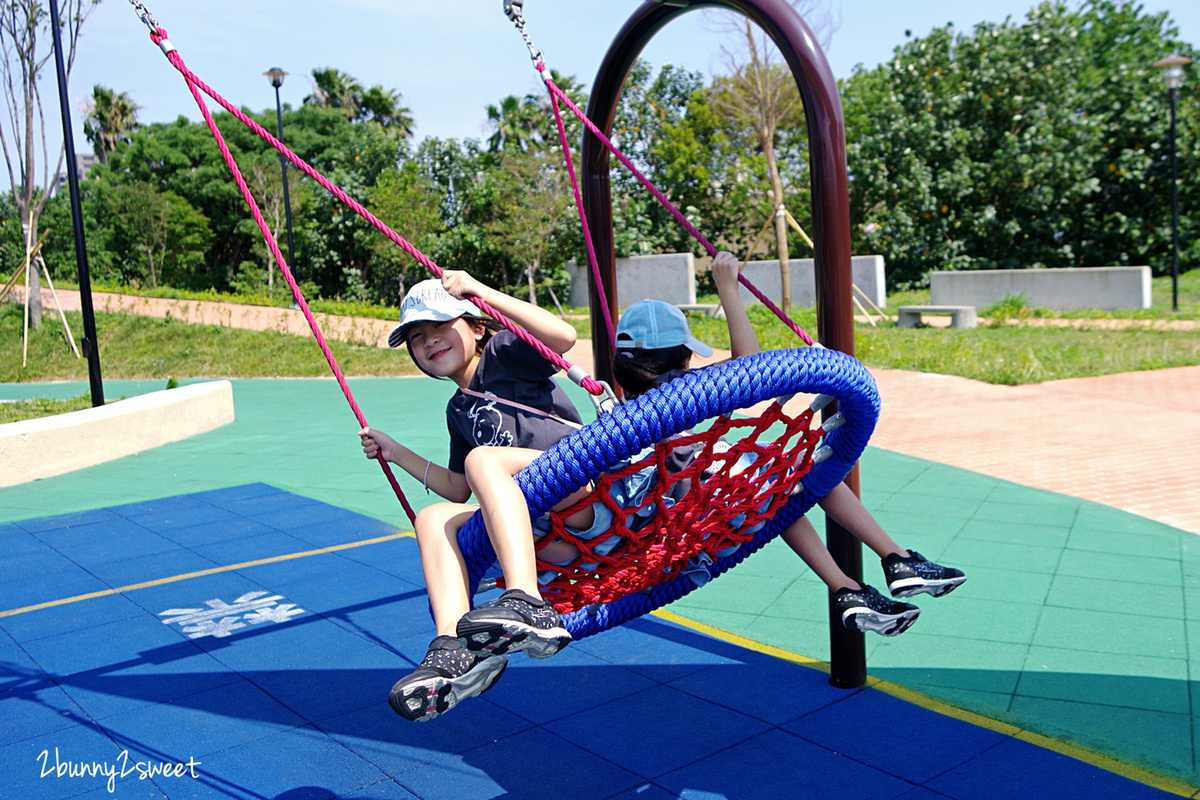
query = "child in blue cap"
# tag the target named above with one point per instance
(653, 347)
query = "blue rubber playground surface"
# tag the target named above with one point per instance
(222, 618)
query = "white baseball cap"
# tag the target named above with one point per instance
(654, 325)
(429, 301)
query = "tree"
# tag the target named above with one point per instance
(760, 93)
(182, 157)
(333, 88)
(1040, 143)
(265, 181)
(513, 124)
(23, 24)
(109, 118)
(408, 203)
(535, 202)
(169, 233)
(658, 118)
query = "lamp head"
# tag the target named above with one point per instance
(276, 75)
(1172, 67)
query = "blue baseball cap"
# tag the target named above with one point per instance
(429, 301)
(654, 325)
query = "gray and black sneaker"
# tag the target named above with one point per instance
(448, 673)
(515, 622)
(866, 609)
(913, 575)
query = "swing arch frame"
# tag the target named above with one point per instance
(831, 222)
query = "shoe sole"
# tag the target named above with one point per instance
(910, 587)
(424, 700)
(865, 619)
(508, 636)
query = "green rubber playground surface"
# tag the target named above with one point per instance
(1071, 631)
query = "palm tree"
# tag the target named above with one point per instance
(383, 106)
(109, 119)
(515, 123)
(333, 88)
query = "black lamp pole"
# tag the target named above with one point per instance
(276, 75)
(1174, 206)
(1172, 67)
(91, 348)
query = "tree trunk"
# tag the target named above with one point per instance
(33, 284)
(150, 266)
(781, 242)
(532, 291)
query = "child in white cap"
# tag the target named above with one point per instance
(506, 398)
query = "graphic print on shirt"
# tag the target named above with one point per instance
(487, 426)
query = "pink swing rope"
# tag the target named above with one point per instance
(557, 93)
(587, 231)
(287, 272)
(159, 36)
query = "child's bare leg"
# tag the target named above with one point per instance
(860, 607)
(844, 507)
(448, 673)
(907, 573)
(442, 562)
(804, 540)
(521, 619)
(491, 474)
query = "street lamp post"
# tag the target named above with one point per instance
(276, 76)
(1172, 67)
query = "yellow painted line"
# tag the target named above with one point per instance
(202, 573)
(916, 698)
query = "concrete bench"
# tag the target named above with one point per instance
(960, 316)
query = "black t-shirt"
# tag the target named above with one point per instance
(511, 369)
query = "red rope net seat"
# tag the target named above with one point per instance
(726, 501)
(718, 501)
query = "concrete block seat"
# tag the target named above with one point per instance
(960, 316)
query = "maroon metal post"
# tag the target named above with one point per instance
(831, 221)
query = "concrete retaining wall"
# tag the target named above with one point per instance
(48, 446)
(671, 277)
(867, 274)
(1105, 288)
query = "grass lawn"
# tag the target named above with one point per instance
(999, 351)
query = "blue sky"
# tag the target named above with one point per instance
(448, 58)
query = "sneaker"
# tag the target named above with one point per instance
(515, 622)
(867, 610)
(448, 673)
(910, 576)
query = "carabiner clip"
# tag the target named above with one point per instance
(144, 15)
(606, 402)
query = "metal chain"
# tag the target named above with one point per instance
(512, 10)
